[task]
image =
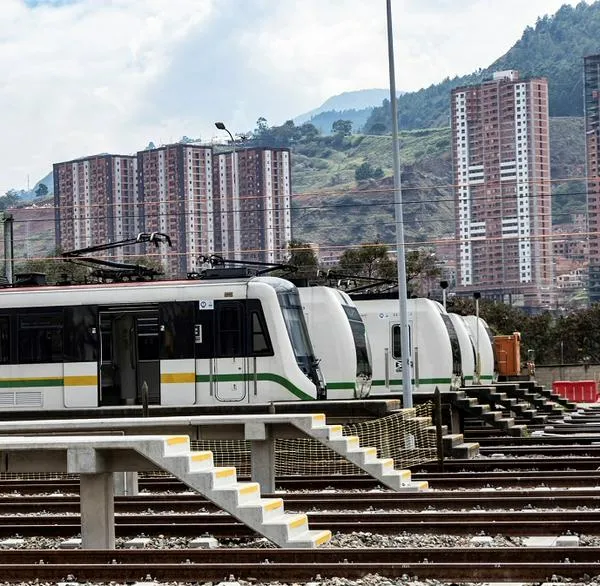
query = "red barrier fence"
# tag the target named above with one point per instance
(581, 391)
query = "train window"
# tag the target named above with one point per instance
(177, 325)
(260, 344)
(147, 334)
(4, 340)
(397, 341)
(40, 337)
(81, 339)
(230, 330)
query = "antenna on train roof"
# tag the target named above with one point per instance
(118, 271)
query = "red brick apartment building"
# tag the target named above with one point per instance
(253, 209)
(184, 191)
(591, 85)
(95, 201)
(501, 170)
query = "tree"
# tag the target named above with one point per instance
(368, 260)
(342, 127)
(9, 200)
(421, 266)
(41, 190)
(302, 255)
(55, 268)
(363, 172)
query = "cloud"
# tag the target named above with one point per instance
(88, 76)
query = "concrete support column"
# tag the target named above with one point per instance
(126, 484)
(262, 455)
(97, 511)
(97, 498)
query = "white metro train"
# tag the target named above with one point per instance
(435, 345)
(192, 342)
(483, 345)
(340, 341)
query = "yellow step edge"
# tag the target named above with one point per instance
(201, 456)
(318, 417)
(388, 462)
(335, 428)
(405, 474)
(324, 538)
(178, 439)
(302, 520)
(249, 489)
(274, 504)
(423, 484)
(352, 439)
(224, 472)
(370, 451)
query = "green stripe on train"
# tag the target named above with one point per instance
(422, 381)
(13, 383)
(263, 376)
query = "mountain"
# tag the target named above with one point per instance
(355, 106)
(554, 49)
(355, 100)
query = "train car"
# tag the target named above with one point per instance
(191, 342)
(436, 353)
(467, 349)
(482, 340)
(340, 341)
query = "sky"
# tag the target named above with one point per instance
(81, 77)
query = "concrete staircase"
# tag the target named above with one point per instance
(240, 499)
(364, 458)
(454, 445)
(515, 403)
(472, 407)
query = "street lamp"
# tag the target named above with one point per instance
(444, 286)
(407, 400)
(234, 194)
(477, 381)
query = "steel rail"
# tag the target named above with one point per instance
(321, 501)
(521, 523)
(472, 564)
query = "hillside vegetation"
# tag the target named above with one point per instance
(332, 208)
(554, 49)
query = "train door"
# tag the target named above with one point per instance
(222, 359)
(395, 356)
(129, 356)
(231, 363)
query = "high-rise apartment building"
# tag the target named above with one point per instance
(176, 195)
(253, 207)
(501, 164)
(591, 85)
(96, 201)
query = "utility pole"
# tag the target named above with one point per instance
(407, 399)
(7, 221)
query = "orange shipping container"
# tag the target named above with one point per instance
(507, 354)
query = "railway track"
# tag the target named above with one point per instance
(512, 523)
(458, 474)
(322, 501)
(471, 564)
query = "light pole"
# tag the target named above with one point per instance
(477, 381)
(407, 400)
(444, 286)
(235, 201)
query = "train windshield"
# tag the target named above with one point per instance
(454, 345)
(361, 343)
(293, 316)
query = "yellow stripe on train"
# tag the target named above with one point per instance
(81, 381)
(178, 377)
